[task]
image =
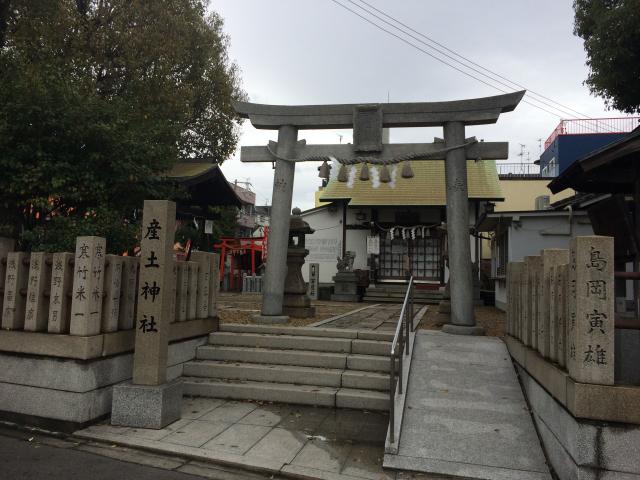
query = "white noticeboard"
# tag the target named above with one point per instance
(208, 226)
(373, 245)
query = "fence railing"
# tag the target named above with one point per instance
(583, 126)
(399, 348)
(518, 169)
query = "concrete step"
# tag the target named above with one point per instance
(363, 362)
(286, 393)
(279, 357)
(285, 342)
(260, 372)
(371, 347)
(376, 299)
(285, 330)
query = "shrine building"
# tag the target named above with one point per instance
(396, 228)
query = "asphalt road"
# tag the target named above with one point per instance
(24, 460)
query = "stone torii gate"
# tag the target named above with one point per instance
(367, 122)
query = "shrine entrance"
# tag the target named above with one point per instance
(401, 258)
(368, 149)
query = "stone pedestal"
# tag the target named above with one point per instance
(146, 406)
(345, 287)
(296, 301)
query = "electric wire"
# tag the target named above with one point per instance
(529, 102)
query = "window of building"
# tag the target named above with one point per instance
(500, 255)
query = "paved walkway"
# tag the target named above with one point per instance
(373, 317)
(307, 441)
(465, 413)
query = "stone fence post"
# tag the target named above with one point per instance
(590, 331)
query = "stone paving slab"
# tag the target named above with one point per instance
(465, 413)
(312, 442)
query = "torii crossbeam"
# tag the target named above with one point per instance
(367, 122)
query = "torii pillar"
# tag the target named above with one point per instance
(367, 122)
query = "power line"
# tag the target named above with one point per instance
(437, 58)
(529, 102)
(529, 91)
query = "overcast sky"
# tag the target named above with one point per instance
(316, 52)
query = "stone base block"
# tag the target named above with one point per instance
(269, 319)
(146, 406)
(345, 297)
(462, 329)
(300, 312)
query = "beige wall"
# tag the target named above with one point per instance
(521, 194)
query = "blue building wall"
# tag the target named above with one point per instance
(566, 149)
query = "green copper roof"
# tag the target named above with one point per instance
(427, 186)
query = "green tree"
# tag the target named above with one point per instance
(611, 33)
(98, 98)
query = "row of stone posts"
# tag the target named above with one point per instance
(561, 303)
(91, 292)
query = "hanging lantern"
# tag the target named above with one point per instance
(407, 172)
(364, 172)
(384, 174)
(342, 174)
(324, 170)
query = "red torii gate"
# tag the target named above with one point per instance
(234, 246)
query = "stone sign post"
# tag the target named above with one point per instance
(314, 281)
(551, 258)
(150, 401)
(590, 328)
(60, 293)
(88, 283)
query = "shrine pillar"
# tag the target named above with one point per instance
(276, 268)
(459, 247)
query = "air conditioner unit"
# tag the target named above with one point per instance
(542, 202)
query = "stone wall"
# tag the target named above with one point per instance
(69, 325)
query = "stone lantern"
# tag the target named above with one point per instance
(296, 301)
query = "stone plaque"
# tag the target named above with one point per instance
(37, 307)
(561, 314)
(535, 286)
(88, 283)
(16, 280)
(214, 286)
(129, 289)
(154, 293)
(192, 292)
(112, 293)
(174, 302)
(6, 245)
(62, 269)
(203, 259)
(367, 128)
(590, 332)
(182, 288)
(546, 325)
(314, 280)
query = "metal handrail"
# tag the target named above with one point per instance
(398, 350)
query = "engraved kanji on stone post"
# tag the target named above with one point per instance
(149, 401)
(16, 280)
(590, 331)
(154, 293)
(37, 308)
(60, 294)
(88, 282)
(551, 258)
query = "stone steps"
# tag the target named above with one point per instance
(370, 363)
(303, 365)
(286, 393)
(263, 372)
(373, 298)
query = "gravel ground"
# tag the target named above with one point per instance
(490, 318)
(238, 308)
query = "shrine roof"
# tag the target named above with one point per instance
(205, 182)
(426, 187)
